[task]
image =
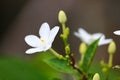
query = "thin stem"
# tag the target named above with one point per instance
(56, 54)
(63, 27)
(76, 67)
(110, 60)
(81, 61)
(107, 74)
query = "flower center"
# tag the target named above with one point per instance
(42, 41)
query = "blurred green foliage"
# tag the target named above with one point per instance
(45, 66)
(96, 68)
(14, 68)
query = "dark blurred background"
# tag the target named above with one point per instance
(19, 18)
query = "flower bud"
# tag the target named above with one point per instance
(104, 69)
(82, 48)
(96, 76)
(112, 48)
(62, 17)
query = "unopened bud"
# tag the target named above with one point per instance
(82, 48)
(104, 69)
(62, 17)
(96, 76)
(112, 48)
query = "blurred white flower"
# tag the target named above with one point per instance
(44, 42)
(89, 38)
(117, 32)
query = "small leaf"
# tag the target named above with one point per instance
(60, 65)
(89, 55)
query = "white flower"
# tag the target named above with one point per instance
(44, 42)
(89, 38)
(117, 32)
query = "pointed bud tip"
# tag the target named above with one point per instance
(112, 48)
(62, 17)
(96, 76)
(82, 48)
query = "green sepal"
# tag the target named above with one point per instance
(65, 35)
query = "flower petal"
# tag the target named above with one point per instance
(83, 35)
(117, 32)
(104, 41)
(33, 50)
(97, 35)
(83, 32)
(89, 38)
(48, 46)
(44, 31)
(32, 40)
(53, 33)
(107, 41)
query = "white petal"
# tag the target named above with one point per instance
(117, 32)
(33, 50)
(83, 35)
(97, 35)
(83, 32)
(44, 31)
(107, 41)
(48, 46)
(32, 40)
(88, 38)
(53, 33)
(104, 41)
(76, 34)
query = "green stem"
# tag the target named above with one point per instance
(110, 61)
(63, 27)
(56, 54)
(81, 61)
(107, 74)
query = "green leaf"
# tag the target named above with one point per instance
(14, 68)
(40, 64)
(60, 65)
(89, 55)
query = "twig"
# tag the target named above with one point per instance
(72, 62)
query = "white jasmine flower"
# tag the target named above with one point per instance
(117, 32)
(44, 42)
(89, 38)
